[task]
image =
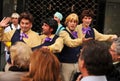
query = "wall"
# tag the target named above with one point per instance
(112, 17)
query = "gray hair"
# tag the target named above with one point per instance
(117, 43)
(20, 55)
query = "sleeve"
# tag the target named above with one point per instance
(68, 41)
(6, 37)
(1, 33)
(102, 37)
(57, 46)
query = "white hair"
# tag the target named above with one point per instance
(15, 15)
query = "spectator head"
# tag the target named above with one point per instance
(115, 50)
(44, 66)
(20, 55)
(95, 58)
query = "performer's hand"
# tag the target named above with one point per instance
(5, 21)
(87, 39)
(114, 37)
(46, 47)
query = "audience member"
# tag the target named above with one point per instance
(11, 76)
(115, 52)
(44, 66)
(20, 57)
(94, 61)
(58, 17)
(114, 74)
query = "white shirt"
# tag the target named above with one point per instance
(7, 29)
(94, 78)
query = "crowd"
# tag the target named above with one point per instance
(59, 53)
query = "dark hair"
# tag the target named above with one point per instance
(88, 13)
(96, 56)
(26, 15)
(52, 23)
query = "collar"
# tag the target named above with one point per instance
(18, 27)
(116, 62)
(94, 78)
(51, 36)
(69, 29)
(44, 36)
(26, 32)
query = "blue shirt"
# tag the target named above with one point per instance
(60, 27)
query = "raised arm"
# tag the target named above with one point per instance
(4, 22)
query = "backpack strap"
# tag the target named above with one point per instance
(11, 26)
(59, 30)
